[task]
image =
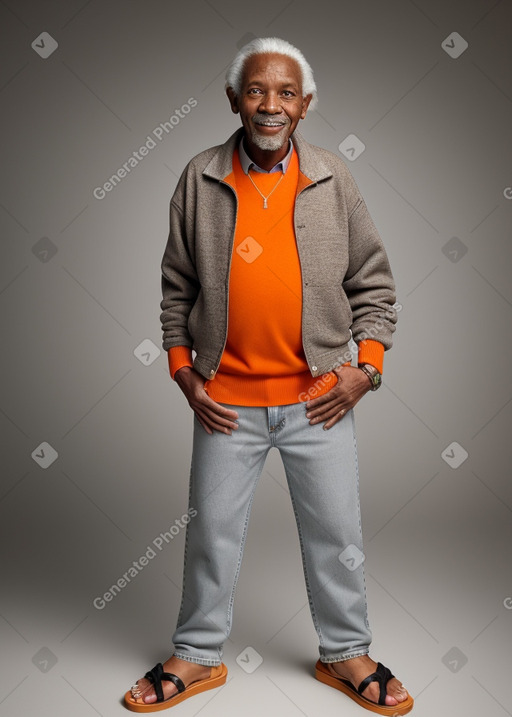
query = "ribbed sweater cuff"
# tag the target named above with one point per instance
(371, 352)
(179, 356)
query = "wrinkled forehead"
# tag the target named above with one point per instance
(272, 67)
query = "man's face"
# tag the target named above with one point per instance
(270, 101)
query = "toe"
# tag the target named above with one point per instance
(390, 701)
(396, 691)
(143, 690)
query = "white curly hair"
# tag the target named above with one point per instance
(262, 45)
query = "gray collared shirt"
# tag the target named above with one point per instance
(248, 164)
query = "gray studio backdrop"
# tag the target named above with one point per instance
(416, 96)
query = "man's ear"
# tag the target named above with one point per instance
(233, 100)
(305, 104)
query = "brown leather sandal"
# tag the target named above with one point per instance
(217, 678)
(382, 675)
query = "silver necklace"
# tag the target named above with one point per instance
(265, 198)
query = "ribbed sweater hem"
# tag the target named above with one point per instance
(268, 391)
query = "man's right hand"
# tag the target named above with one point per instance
(210, 414)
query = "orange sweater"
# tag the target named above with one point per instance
(263, 363)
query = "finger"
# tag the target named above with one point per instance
(326, 411)
(218, 420)
(212, 427)
(216, 408)
(316, 408)
(335, 412)
(333, 396)
(315, 402)
(204, 424)
(215, 422)
(335, 419)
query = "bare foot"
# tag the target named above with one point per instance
(187, 671)
(357, 668)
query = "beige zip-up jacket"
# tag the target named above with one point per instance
(347, 284)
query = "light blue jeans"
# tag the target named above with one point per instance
(322, 474)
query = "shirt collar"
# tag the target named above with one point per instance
(248, 164)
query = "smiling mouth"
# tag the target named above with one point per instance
(270, 123)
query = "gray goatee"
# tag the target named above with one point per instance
(270, 143)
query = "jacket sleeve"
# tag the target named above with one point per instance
(180, 285)
(368, 283)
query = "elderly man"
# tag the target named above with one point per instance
(272, 265)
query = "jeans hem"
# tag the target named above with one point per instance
(346, 656)
(208, 661)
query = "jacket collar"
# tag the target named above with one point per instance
(310, 165)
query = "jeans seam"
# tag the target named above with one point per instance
(359, 516)
(185, 553)
(304, 564)
(229, 613)
(184, 592)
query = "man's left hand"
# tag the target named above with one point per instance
(333, 405)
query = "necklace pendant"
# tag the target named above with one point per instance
(265, 203)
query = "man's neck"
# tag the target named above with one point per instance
(264, 158)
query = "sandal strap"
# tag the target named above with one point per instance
(382, 675)
(157, 674)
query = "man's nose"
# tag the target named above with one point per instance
(270, 103)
